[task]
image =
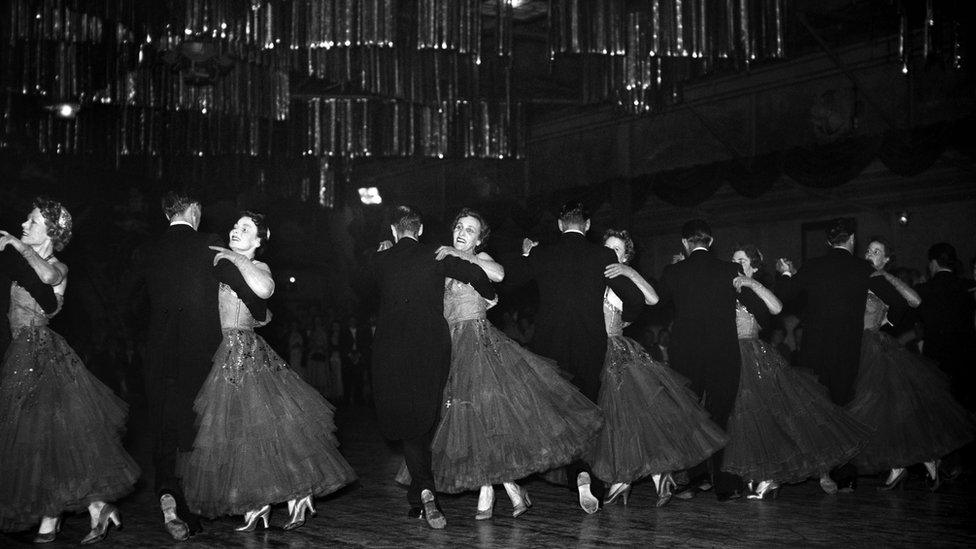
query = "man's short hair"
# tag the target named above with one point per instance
(944, 254)
(407, 219)
(698, 233)
(574, 213)
(175, 202)
(839, 230)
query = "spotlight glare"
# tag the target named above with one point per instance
(64, 109)
(370, 196)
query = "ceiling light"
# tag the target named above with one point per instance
(64, 109)
(370, 196)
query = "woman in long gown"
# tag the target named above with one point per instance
(653, 422)
(264, 435)
(783, 427)
(60, 428)
(904, 397)
(507, 412)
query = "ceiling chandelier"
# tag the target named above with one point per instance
(217, 76)
(639, 54)
(333, 82)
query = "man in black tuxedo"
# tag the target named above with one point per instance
(946, 313)
(833, 289)
(412, 348)
(13, 268)
(569, 325)
(704, 345)
(354, 346)
(177, 271)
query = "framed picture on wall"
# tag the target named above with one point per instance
(813, 240)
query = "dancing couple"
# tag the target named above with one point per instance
(235, 430)
(60, 428)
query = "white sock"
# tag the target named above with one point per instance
(486, 497)
(95, 511)
(513, 492)
(48, 525)
(657, 481)
(169, 505)
(931, 468)
(894, 473)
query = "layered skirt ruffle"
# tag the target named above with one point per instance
(264, 435)
(60, 433)
(784, 426)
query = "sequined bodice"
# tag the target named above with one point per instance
(24, 311)
(875, 312)
(462, 302)
(613, 318)
(233, 313)
(745, 322)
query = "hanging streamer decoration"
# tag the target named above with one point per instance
(640, 56)
(932, 34)
(211, 79)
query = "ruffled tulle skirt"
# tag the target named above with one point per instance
(653, 422)
(60, 433)
(264, 435)
(784, 426)
(507, 413)
(908, 402)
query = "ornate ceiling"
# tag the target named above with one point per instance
(326, 83)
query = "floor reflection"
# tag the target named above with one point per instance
(372, 514)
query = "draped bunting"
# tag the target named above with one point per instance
(911, 152)
(753, 177)
(830, 165)
(904, 152)
(687, 187)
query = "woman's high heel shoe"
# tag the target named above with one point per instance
(252, 517)
(108, 516)
(620, 490)
(665, 490)
(48, 537)
(767, 489)
(898, 481)
(521, 508)
(297, 519)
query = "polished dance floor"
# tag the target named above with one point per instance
(371, 513)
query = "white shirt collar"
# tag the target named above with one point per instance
(577, 231)
(181, 222)
(696, 248)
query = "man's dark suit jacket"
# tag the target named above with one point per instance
(176, 271)
(946, 313)
(833, 289)
(704, 345)
(184, 324)
(363, 340)
(412, 344)
(569, 325)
